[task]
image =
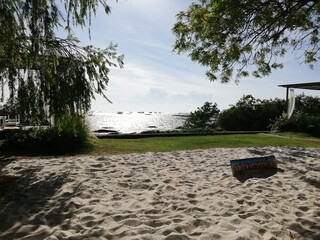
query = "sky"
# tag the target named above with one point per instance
(156, 79)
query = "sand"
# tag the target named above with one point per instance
(172, 196)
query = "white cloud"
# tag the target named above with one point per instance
(156, 79)
(157, 99)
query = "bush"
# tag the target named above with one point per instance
(202, 117)
(299, 123)
(250, 114)
(308, 105)
(69, 134)
(72, 131)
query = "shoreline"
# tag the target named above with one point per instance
(171, 134)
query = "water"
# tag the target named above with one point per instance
(135, 122)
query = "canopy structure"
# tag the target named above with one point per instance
(307, 86)
(290, 98)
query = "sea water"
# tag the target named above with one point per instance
(135, 122)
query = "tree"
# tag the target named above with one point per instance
(251, 114)
(49, 76)
(235, 34)
(307, 105)
(202, 117)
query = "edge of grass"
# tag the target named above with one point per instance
(297, 135)
(179, 143)
(165, 144)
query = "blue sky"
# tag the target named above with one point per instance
(156, 79)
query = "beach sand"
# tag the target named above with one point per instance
(172, 196)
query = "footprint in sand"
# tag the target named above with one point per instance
(177, 237)
(191, 195)
(303, 208)
(157, 223)
(193, 202)
(245, 215)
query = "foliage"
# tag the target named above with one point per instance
(8, 109)
(49, 76)
(299, 122)
(306, 117)
(250, 114)
(68, 135)
(231, 35)
(202, 117)
(307, 105)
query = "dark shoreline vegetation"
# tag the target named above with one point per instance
(206, 127)
(163, 142)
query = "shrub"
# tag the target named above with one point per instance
(250, 114)
(299, 122)
(308, 105)
(72, 131)
(69, 134)
(202, 117)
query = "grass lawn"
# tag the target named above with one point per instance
(163, 144)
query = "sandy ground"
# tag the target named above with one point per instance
(173, 196)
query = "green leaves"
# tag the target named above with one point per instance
(49, 76)
(203, 116)
(251, 114)
(229, 36)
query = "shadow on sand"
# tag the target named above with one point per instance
(26, 195)
(263, 173)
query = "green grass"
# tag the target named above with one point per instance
(164, 144)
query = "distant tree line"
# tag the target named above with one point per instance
(251, 114)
